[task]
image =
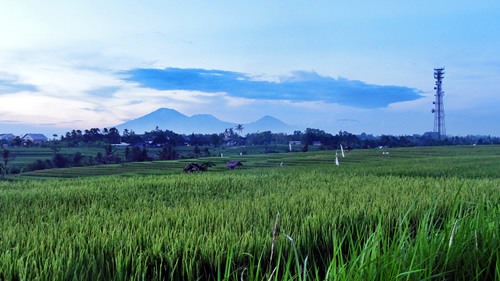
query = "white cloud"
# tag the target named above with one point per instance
(33, 108)
(239, 102)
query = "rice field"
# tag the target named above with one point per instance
(413, 214)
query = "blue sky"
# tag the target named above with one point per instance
(334, 65)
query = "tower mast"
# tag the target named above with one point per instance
(439, 126)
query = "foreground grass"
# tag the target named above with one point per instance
(333, 225)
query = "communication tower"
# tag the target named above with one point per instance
(438, 109)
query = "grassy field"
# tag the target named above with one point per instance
(428, 213)
(27, 155)
(462, 161)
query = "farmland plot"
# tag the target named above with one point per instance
(307, 219)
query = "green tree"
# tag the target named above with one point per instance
(55, 147)
(159, 137)
(206, 151)
(168, 153)
(127, 153)
(17, 141)
(99, 158)
(7, 156)
(217, 139)
(144, 155)
(197, 151)
(77, 159)
(109, 155)
(137, 154)
(60, 161)
(239, 128)
(113, 136)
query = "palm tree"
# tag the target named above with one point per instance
(239, 128)
(228, 133)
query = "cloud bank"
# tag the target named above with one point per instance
(300, 86)
(8, 87)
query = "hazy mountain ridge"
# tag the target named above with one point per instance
(268, 123)
(170, 119)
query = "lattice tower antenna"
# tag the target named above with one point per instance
(439, 126)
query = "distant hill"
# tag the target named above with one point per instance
(170, 119)
(268, 123)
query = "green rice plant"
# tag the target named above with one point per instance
(345, 225)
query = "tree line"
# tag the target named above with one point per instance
(165, 142)
(96, 137)
(160, 138)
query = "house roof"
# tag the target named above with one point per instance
(40, 137)
(6, 136)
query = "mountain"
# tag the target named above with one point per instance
(268, 123)
(162, 118)
(169, 119)
(206, 123)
